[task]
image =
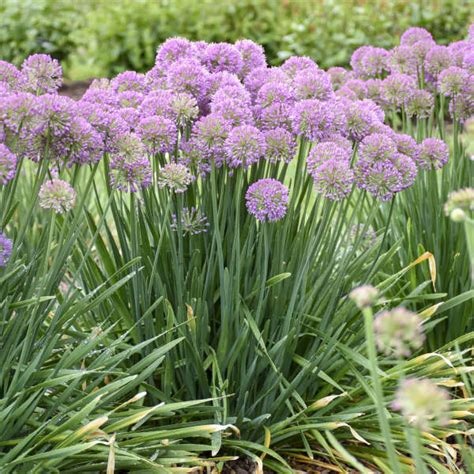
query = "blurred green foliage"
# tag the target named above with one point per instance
(104, 37)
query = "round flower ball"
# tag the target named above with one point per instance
(57, 195)
(267, 200)
(6, 246)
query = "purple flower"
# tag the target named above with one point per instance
(84, 144)
(297, 64)
(253, 56)
(356, 58)
(437, 59)
(402, 60)
(157, 103)
(397, 88)
(174, 49)
(432, 153)
(7, 165)
(324, 152)
(406, 145)
(6, 246)
(461, 107)
(129, 81)
(333, 179)
(452, 81)
(358, 87)
(382, 179)
(129, 168)
(277, 115)
(314, 119)
(105, 97)
(42, 74)
(129, 115)
(377, 147)
(267, 200)
(339, 76)
(280, 145)
(313, 84)
(219, 57)
(360, 119)
(175, 176)
(372, 62)
(57, 195)
(187, 75)
(11, 76)
(237, 93)
(263, 75)
(130, 99)
(232, 111)
(274, 92)
(244, 146)
(184, 107)
(220, 80)
(407, 169)
(159, 134)
(419, 103)
(415, 34)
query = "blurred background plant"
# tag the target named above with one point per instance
(102, 38)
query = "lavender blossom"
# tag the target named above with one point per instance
(7, 165)
(6, 246)
(159, 134)
(333, 179)
(267, 200)
(280, 145)
(176, 177)
(57, 195)
(42, 74)
(219, 57)
(432, 153)
(244, 146)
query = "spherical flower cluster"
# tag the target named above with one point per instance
(7, 165)
(174, 49)
(398, 332)
(419, 104)
(314, 84)
(176, 177)
(453, 80)
(280, 145)
(339, 76)
(313, 119)
(460, 204)
(218, 57)
(377, 147)
(252, 54)
(244, 146)
(364, 296)
(333, 179)
(6, 246)
(324, 152)
(267, 200)
(369, 62)
(361, 120)
(57, 195)
(297, 64)
(130, 81)
(193, 222)
(437, 59)
(10, 76)
(422, 403)
(159, 134)
(432, 153)
(397, 88)
(42, 74)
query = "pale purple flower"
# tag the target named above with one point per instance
(407, 169)
(397, 88)
(127, 99)
(174, 49)
(358, 87)
(356, 58)
(339, 76)
(333, 179)
(244, 146)
(232, 111)
(184, 107)
(419, 103)
(6, 246)
(187, 75)
(157, 103)
(382, 179)
(57, 195)
(129, 81)
(360, 120)
(280, 145)
(402, 60)
(422, 403)
(313, 84)
(374, 90)
(453, 80)
(263, 75)
(267, 200)
(274, 92)
(415, 34)
(373, 63)
(377, 147)
(7, 165)
(277, 115)
(104, 97)
(237, 93)
(219, 57)
(324, 152)
(437, 59)
(297, 64)
(176, 177)
(364, 296)
(159, 134)
(313, 119)
(11, 76)
(432, 153)
(41, 74)
(253, 56)
(406, 145)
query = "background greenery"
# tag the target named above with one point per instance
(102, 38)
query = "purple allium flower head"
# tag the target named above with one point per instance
(470, 35)
(157, 103)
(193, 222)
(184, 107)
(313, 84)
(222, 79)
(7, 165)
(377, 147)
(187, 75)
(219, 57)
(263, 75)
(382, 179)
(209, 135)
(232, 111)
(129, 168)
(398, 332)
(57, 195)
(406, 145)
(6, 246)
(419, 103)
(130, 115)
(402, 60)
(235, 92)
(174, 49)
(356, 58)
(324, 152)
(364, 296)
(397, 88)
(419, 50)
(129, 81)
(244, 146)
(407, 169)
(274, 92)
(253, 56)
(376, 109)
(437, 59)
(432, 153)
(333, 179)
(11, 76)
(17, 111)
(339, 76)
(340, 141)
(360, 120)
(415, 34)
(280, 144)
(42, 74)
(461, 107)
(277, 115)
(297, 64)
(267, 200)
(422, 403)
(374, 90)
(155, 78)
(373, 63)
(130, 99)
(452, 81)
(314, 119)
(159, 134)
(105, 97)
(84, 144)
(358, 87)
(176, 177)
(468, 61)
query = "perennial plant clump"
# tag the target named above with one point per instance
(210, 219)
